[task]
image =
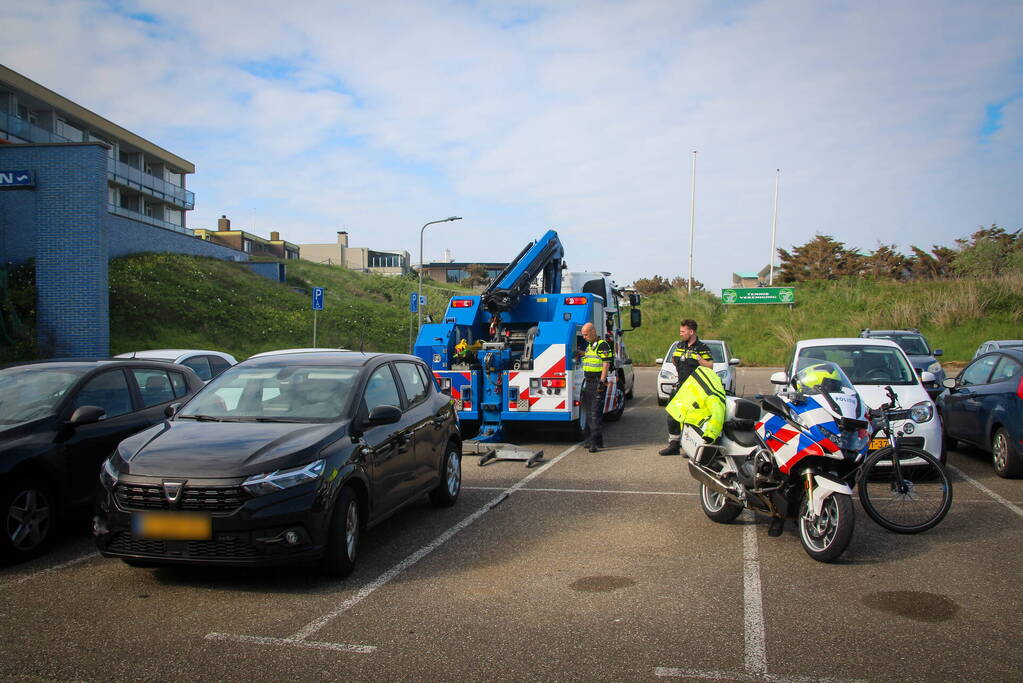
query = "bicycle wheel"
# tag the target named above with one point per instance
(908, 505)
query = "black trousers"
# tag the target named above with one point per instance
(593, 405)
(674, 428)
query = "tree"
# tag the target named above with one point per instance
(651, 285)
(682, 283)
(989, 252)
(884, 263)
(934, 266)
(822, 258)
(477, 275)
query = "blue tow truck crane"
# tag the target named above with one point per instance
(508, 357)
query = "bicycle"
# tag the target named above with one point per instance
(913, 483)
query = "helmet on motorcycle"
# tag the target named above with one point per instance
(822, 378)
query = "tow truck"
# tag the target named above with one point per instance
(508, 357)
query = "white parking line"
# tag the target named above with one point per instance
(300, 638)
(755, 636)
(1014, 508)
(641, 493)
(33, 575)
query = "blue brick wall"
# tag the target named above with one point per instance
(65, 225)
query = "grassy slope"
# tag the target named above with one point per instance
(955, 316)
(176, 301)
(170, 300)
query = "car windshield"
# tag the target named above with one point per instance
(717, 352)
(913, 344)
(862, 364)
(822, 377)
(30, 392)
(287, 393)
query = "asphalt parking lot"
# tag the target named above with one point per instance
(590, 567)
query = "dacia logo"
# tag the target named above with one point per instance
(172, 490)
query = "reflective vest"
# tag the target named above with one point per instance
(700, 402)
(597, 353)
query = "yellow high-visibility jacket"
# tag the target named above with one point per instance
(700, 402)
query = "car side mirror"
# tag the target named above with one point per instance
(84, 415)
(383, 415)
(779, 378)
(928, 377)
(634, 299)
(949, 382)
(171, 410)
(734, 361)
(937, 352)
(659, 361)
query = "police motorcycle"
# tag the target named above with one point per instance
(788, 457)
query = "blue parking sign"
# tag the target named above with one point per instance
(317, 298)
(412, 302)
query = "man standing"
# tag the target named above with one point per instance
(690, 353)
(596, 364)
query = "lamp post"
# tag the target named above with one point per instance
(692, 225)
(419, 296)
(774, 223)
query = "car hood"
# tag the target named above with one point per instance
(180, 448)
(670, 367)
(922, 362)
(909, 395)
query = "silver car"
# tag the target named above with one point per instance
(724, 366)
(206, 364)
(997, 344)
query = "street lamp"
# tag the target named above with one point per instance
(419, 299)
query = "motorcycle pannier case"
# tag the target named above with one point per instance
(691, 442)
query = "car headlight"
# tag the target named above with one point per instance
(922, 412)
(261, 484)
(934, 368)
(667, 374)
(107, 473)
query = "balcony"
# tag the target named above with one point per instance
(23, 131)
(142, 218)
(121, 173)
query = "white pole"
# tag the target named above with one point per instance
(692, 225)
(774, 223)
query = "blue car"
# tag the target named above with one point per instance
(984, 407)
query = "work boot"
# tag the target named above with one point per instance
(671, 449)
(777, 526)
(593, 448)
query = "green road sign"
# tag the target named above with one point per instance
(759, 295)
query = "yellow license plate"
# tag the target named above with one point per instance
(878, 444)
(172, 526)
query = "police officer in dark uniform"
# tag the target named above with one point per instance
(596, 364)
(690, 353)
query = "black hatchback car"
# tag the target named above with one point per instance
(282, 458)
(58, 421)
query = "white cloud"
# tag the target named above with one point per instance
(313, 116)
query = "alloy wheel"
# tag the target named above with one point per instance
(352, 529)
(28, 519)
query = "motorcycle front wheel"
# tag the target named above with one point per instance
(716, 506)
(826, 536)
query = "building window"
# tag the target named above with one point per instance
(247, 246)
(381, 260)
(455, 274)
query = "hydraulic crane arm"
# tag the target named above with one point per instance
(542, 256)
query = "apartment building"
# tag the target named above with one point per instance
(92, 191)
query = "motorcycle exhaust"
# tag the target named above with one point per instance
(707, 478)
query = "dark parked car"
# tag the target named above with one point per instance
(283, 458)
(58, 421)
(921, 356)
(984, 407)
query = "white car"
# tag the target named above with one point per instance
(206, 364)
(724, 366)
(872, 365)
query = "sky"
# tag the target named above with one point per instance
(892, 122)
